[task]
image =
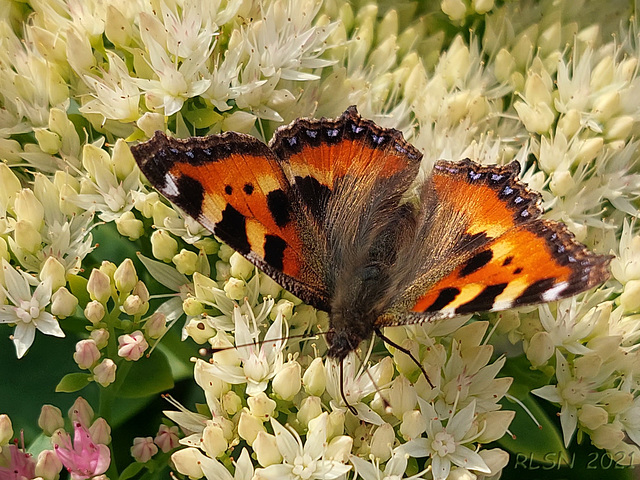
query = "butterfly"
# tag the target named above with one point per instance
(325, 210)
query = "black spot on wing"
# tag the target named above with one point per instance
(507, 261)
(232, 229)
(484, 300)
(279, 206)
(274, 247)
(446, 296)
(476, 262)
(228, 189)
(248, 188)
(314, 194)
(533, 293)
(191, 195)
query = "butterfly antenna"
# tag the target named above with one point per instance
(351, 408)
(406, 351)
(387, 405)
(211, 350)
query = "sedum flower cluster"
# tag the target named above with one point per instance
(93, 258)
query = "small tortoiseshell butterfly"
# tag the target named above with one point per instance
(321, 210)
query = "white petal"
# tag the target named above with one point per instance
(274, 472)
(164, 274)
(417, 448)
(213, 469)
(459, 424)
(287, 443)
(366, 414)
(329, 470)
(548, 392)
(396, 465)
(8, 314)
(364, 469)
(17, 287)
(23, 337)
(42, 294)
(274, 338)
(244, 467)
(440, 467)
(317, 436)
(467, 458)
(48, 325)
(569, 421)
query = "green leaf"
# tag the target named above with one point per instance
(131, 471)
(72, 382)
(78, 287)
(148, 376)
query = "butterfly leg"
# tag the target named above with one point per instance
(342, 394)
(406, 351)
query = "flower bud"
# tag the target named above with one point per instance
(540, 349)
(199, 330)
(94, 311)
(81, 412)
(335, 424)
(592, 416)
(240, 266)
(569, 123)
(413, 424)
(315, 378)
(63, 303)
(207, 379)
(149, 123)
(213, 440)
(249, 426)
(268, 286)
(630, 298)
(339, 449)
(155, 325)
(496, 459)
(54, 272)
(454, 9)
(536, 118)
(143, 449)
(105, 372)
(100, 431)
(310, 408)
(235, 289)
(133, 305)
(167, 438)
(496, 424)
(28, 208)
(129, 226)
(186, 262)
(163, 246)
(9, 185)
(192, 307)
(261, 406)
(26, 236)
(48, 465)
(223, 271)
(231, 403)
(125, 276)
(99, 286)
(132, 346)
(608, 436)
(50, 419)
(100, 336)
(287, 382)
(285, 307)
(482, 6)
(86, 354)
(266, 449)
(589, 149)
(382, 442)
(402, 396)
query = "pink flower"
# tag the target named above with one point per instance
(167, 438)
(83, 459)
(132, 346)
(21, 466)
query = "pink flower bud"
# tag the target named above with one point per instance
(94, 311)
(99, 286)
(167, 438)
(86, 354)
(155, 325)
(125, 276)
(143, 449)
(105, 372)
(81, 412)
(6, 429)
(100, 336)
(100, 431)
(132, 346)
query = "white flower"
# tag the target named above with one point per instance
(394, 469)
(445, 443)
(303, 462)
(27, 311)
(260, 362)
(357, 384)
(193, 463)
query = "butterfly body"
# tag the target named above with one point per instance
(323, 209)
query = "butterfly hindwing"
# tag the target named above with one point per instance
(499, 253)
